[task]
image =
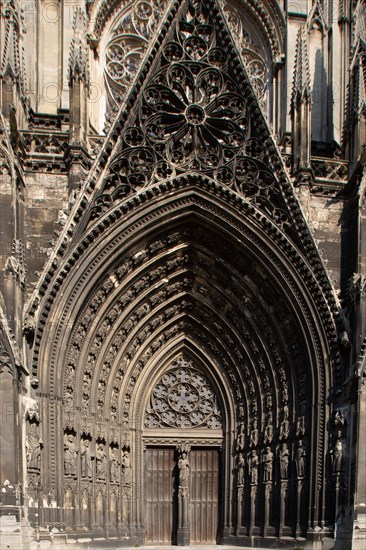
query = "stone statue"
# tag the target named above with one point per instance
(253, 462)
(284, 461)
(126, 468)
(268, 464)
(183, 466)
(101, 461)
(70, 456)
(86, 460)
(240, 469)
(301, 419)
(300, 459)
(268, 431)
(240, 440)
(254, 434)
(33, 448)
(337, 457)
(114, 465)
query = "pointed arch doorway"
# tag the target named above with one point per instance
(182, 458)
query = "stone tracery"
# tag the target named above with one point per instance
(182, 398)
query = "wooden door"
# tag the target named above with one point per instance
(161, 490)
(160, 517)
(204, 496)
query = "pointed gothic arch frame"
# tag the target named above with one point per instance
(122, 228)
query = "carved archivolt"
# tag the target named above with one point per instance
(182, 398)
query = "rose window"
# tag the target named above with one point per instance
(183, 398)
(193, 115)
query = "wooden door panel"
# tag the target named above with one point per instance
(204, 496)
(159, 467)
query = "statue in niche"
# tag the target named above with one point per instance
(301, 420)
(267, 464)
(86, 459)
(126, 468)
(337, 457)
(114, 465)
(254, 434)
(33, 447)
(268, 431)
(101, 461)
(339, 419)
(300, 459)
(285, 426)
(240, 441)
(183, 466)
(70, 456)
(253, 463)
(284, 461)
(240, 469)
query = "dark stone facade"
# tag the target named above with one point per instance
(182, 283)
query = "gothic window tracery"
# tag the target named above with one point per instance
(136, 26)
(183, 398)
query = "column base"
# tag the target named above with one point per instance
(183, 536)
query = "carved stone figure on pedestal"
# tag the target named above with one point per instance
(240, 469)
(114, 465)
(126, 468)
(337, 457)
(285, 425)
(33, 448)
(183, 466)
(70, 456)
(254, 434)
(253, 462)
(101, 461)
(301, 420)
(240, 441)
(268, 464)
(284, 461)
(86, 459)
(268, 431)
(300, 459)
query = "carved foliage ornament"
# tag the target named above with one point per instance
(192, 115)
(183, 398)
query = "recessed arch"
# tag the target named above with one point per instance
(197, 272)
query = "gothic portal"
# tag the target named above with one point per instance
(182, 289)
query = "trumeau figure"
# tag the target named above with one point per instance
(183, 466)
(71, 453)
(300, 459)
(284, 461)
